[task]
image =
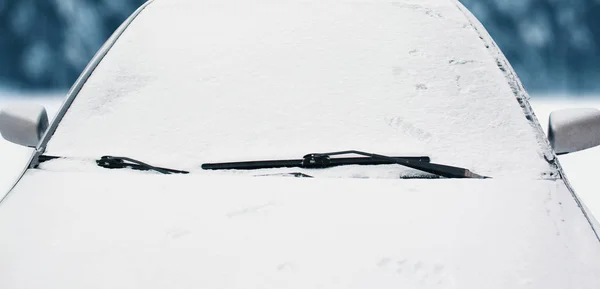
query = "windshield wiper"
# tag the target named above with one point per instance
(324, 160)
(309, 161)
(436, 169)
(111, 162)
(303, 163)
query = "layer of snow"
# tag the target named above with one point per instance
(24, 124)
(580, 168)
(130, 230)
(13, 158)
(199, 81)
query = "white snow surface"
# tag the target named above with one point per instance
(122, 229)
(580, 167)
(191, 82)
(13, 157)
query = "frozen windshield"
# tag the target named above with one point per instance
(191, 82)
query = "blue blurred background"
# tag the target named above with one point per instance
(553, 44)
(45, 44)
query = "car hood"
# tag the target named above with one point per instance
(123, 229)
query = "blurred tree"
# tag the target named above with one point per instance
(45, 44)
(552, 44)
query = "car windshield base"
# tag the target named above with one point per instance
(309, 161)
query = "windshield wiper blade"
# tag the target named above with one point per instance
(303, 163)
(111, 162)
(322, 159)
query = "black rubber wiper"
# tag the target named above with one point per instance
(303, 163)
(324, 160)
(111, 162)
(436, 169)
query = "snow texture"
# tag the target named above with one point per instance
(13, 157)
(580, 167)
(130, 230)
(199, 81)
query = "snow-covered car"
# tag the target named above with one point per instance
(298, 144)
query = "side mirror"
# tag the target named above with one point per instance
(24, 124)
(574, 129)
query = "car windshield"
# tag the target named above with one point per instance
(192, 82)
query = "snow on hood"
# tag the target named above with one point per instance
(203, 81)
(131, 230)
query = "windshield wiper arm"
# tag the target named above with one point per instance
(322, 159)
(303, 163)
(111, 162)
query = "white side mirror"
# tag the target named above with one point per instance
(574, 129)
(24, 124)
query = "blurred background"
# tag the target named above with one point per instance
(45, 44)
(554, 45)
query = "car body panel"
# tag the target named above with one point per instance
(143, 230)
